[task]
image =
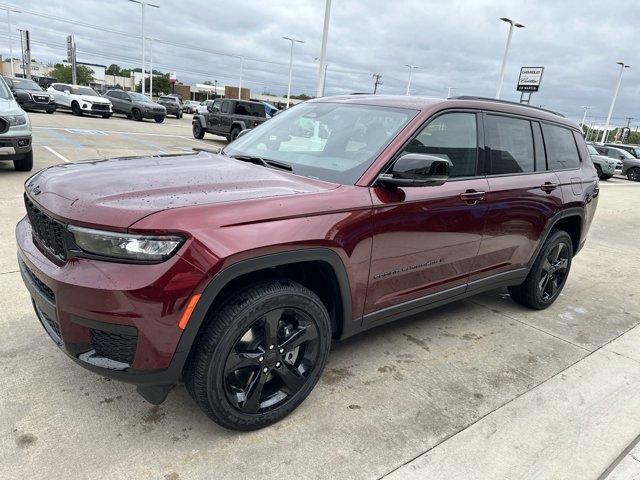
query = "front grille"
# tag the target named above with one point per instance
(115, 346)
(47, 232)
(39, 284)
(100, 107)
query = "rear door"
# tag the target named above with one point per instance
(523, 195)
(426, 238)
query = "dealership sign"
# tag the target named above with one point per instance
(529, 79)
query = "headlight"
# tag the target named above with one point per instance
(15, 120)
(140, 248)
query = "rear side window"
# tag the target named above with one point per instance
(226, 107)
(562, 152)
(511, 145)
(453, 136)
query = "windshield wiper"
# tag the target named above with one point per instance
(265, 162)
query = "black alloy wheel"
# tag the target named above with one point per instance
(553, 273)
(634, 174)
(198, 132)
(75, 109)
(271, 361)
(136, 114)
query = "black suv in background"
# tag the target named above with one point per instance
(29, 95)
(228, 118)
(172, 104)
(135, 105)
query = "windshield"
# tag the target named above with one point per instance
(26, 84)
(138, 97)
(83, 91)
(637, 150)
(5, 94)
(169, 99)
(592, 150)
(329, 141)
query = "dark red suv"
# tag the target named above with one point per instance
(236, 270)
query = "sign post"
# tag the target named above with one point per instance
(529, 82)
(25, 41)
(71, 58)
(173, 78)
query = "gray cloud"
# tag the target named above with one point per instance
(456, 43)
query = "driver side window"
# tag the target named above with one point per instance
(452, 136)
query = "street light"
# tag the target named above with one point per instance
(613, 100)
(411, 67)
(506, 51)
(143, 3)
(292, 40)
(449, 90)
(323, 50)
(9, 10)
(584, 117)
(240, 80)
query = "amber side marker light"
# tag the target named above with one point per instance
(186, 315)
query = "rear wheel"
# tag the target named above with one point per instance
(75, 109)
(633, 174)
(599, 171)
(198, 131)
(136, 114)
(605, 177)
(260, 356)
(548, 273)
(25, 164)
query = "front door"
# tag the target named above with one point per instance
(426, 238)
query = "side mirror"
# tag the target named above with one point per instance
(417, 170)
(243, 132)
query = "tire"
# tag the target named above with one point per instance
(178, 116)
(159, 119)
(128, 115)
(224, 390)
(633, 174)
(606, 177)
(537, 293)
(234, 134)
(75, 109)
(599, 171)
(136, 114)
(106, 115)
(24, 165)
(198, 131)
(50, 111)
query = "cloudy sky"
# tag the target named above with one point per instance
(456, 43)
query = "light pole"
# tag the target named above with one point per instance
(292, 40)
(240, 80)
(150, 68)
(584, 117)
(9, 11)
(506, 51)
(411, 67)
(143, 4)
(449, 90)
(323, 50)
(613, 100)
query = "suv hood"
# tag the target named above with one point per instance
(8, 106)
(118, 192)
(94, 99)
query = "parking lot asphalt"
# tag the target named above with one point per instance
(481, 388)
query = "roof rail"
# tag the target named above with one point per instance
(508, 102)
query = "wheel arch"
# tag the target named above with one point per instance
(239, 124)
(570, 220)
(329, 280)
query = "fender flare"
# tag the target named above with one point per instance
(201, 119)
(221, 279)
(569, 212)
(238, 123)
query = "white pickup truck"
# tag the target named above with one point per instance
(80, 100)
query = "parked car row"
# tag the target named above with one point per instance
(626, 158)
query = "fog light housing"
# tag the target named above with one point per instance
(23, 142)
(84, 105)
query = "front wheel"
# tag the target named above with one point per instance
(198, 131)
(633, 174)
(25, 164)
(547, 275)
(261, 354)
(51, 110)
(75, 109)
(159, 119)
(234, 133)
(106, 115)
(599, 171)
(136, 114)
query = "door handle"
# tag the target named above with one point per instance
(548, 187)
(472, 196)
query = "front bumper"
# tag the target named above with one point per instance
(40, 106)
(96, 109)
(15, 143)
(118, 320)
(152, 114)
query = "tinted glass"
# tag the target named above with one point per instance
(216, 106)
(329, 141)
(562, 151)
(511, 145)
(226, 107)
(452, 136)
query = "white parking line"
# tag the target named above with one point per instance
(102, 132)
(61, 157)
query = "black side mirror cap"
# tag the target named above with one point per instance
(417, 170)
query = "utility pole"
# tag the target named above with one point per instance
(584, 117)
(323, 50)
(506, 51)
(292, 40)
(411, 67)
(629, 121)
(449, 90)
(143, 4)
(377, 80)
(613, 100)
(9, 11)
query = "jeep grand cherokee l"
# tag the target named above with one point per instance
(235, 270)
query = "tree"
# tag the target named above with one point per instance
(62, 74)
(113, 69)
(161, 84)
(302, 96)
